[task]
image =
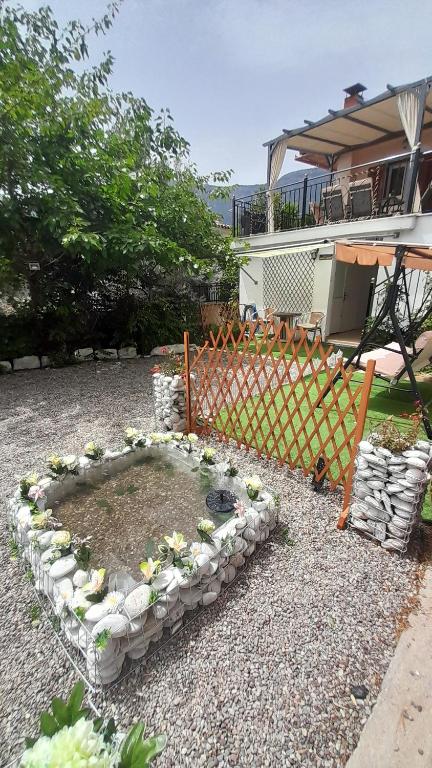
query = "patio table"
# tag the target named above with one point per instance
(287, 317)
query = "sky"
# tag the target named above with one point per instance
(234, 73)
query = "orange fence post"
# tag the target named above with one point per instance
(362, 413)
(187, 381)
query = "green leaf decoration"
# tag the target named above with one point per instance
(110, 730)
(153, 747)
(134, 736)
(48, 724)
(76, 698)
(60, 712)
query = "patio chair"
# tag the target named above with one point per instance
(333, 203)
(389, 363)
(360, 198)
(311, 323)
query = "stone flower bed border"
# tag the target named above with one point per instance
(109, 618)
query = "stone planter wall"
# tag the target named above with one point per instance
(32, 362)
(148, 610)
(388, 492)
(170, 402)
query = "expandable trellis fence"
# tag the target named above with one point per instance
(268, 387)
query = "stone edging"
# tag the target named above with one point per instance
(133, 615)
(86, 354)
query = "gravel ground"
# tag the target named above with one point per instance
(263, 676)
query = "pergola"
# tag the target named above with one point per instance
(400, 112)
(400, 257)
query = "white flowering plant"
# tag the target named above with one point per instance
(70, 736)
(60, 466)
(95, 589)
(26, 483)
(93, 451)
(130, 435)
(205, 529)
(150, 569)
(207, 456)
(253, 486)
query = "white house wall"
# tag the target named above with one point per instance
(249, 292)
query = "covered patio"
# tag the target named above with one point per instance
(373, 159)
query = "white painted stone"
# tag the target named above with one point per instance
(163, 579)
(365, 446)
(209, 598)
(45, 361)
(127, 353)
(414, 461)
(84, 354)
(45, 539)
(137, 601)
(106, 354)
(96, 612)
(114, 622)
(62, 567)
(5, 366)
(160, 611)
(26, 363)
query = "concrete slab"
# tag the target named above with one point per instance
(398, 733)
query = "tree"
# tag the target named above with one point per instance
(95, 191)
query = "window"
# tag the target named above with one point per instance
(395, 179)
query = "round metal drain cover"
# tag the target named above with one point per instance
(221, 501)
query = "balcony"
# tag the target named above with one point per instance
(361, 192)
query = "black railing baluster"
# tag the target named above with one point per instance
(303, 213)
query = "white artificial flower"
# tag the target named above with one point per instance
(254, 483)
(195, 549)
(24, 516)
(176, 542)
(208, 454)
(178, 435)
(206, 525)
(114, 600)
(79, 600)
(96, 581)
(40, 519)
(70, 461)
(192, 437)
(61, 539)
(149, 568)
(156, 437)
(76, 746)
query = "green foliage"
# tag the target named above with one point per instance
(14, 549)
(135, 751)
(64, 713)
(35, 614)
(102, 639)
(286, 539)
(97, 191)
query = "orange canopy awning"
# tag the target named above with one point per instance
(368, 254)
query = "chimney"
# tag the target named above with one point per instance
(354, 95)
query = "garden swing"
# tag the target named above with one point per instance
(397, 359)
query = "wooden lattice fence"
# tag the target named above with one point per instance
(269, 388)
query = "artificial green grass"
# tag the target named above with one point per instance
(396, 402)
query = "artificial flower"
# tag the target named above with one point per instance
(76, 746)
(96, 582)
(167, 437)
(40, 519)
(54, 462)
(93, 451)
(192, 438)
(130, 435)
(177, 435)
(114, 600)
(155, 437)
(195, 549)
(206, 525)
(176, 542)
(207, 455)
(61, 539)
(36, 493)
(253, 486)
(70, 462)
(64, 596)
(240, 508)
(149, 568)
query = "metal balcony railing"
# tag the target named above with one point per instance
(360, 192)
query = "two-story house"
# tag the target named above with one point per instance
(373, 181)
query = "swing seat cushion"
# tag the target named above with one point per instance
(389, 362)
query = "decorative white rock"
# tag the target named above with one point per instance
(80, 578)
(114, 622)
(27, 363)
(127, 353)
(96, 612)
(62, 567)
(106, 354)
(137, 601)
(84, 355)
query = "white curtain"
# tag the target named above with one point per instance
(277, 158)
(408, 106)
